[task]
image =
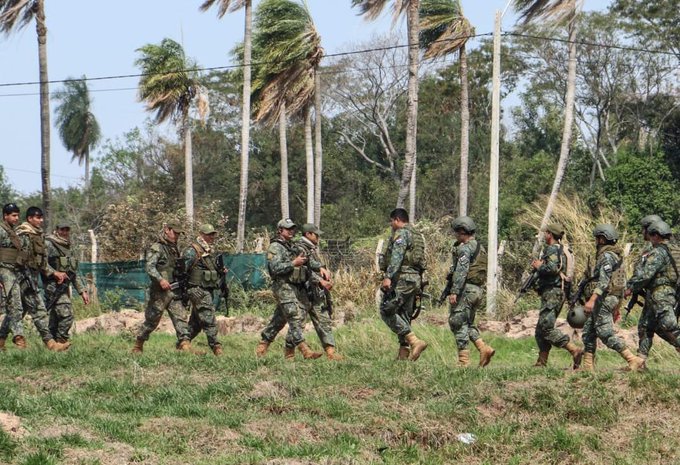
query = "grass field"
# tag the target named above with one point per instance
(98, 404)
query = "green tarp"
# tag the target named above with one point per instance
(127, 282)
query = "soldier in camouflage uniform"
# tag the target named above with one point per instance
(657, 276)
(161, 264)
(603, 303)
(11, 254)
(468, 273)
(288, 269)
(58, 296)
(549, 269)
(33, 241)
(645, 335)
(402, 265)
(204, 278)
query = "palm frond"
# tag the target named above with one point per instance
(16, 13)
(78, 128)
(558, 11)
(443, 27)
(223, 6)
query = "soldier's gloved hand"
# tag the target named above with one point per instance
(299, 260)
(165, 285)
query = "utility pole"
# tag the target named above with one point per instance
(492, 268)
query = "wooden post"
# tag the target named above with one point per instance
(93, 260)
(491, 275)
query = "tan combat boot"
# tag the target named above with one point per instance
(576, 354)
(184, 346)
(403, 353)
(217, 350)
(289, 353)
(308, 353)
(138, 347)
(64, 342)
(542, 359)
(261, 348)
(2, 343)
(464, 358)
(485, 352)
(54, 346)
(635, 363)
(417, 346)
(331, 355)
(20, 342)
(588, 360)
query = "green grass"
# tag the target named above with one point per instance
(98, 404)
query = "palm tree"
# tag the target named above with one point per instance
(559, 12)
(372, 9)
(234, 5)
(444, 30)
(288, 48)
(78, 128)
(18, 14)
(170, 86)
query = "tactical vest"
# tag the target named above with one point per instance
(478, 262)
(13, 255)
(671, 272)
(64, 262)
(299, 275)
(167, 259)
(415, 254)
(202, 272)
(617, 282)
(37, 252)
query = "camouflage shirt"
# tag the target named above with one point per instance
(312, 252)
(549, 271)
(160, 260)
(607, 260)
(400, 242)
(33, 243)
(654, 270)
(56, 251)
(462, 258)
(9, 240)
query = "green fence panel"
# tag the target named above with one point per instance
(247, 269)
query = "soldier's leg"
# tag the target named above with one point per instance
(645, 331)
(180, 317)
(33, 305)
(12, 323)
(153, 313)
(552, 301)
(667, 326)
(472, 295)
(63, 316)
(393, 318)
(294, 314)
(202, 301)
(275, 325)
(604, 324)
(322, 324)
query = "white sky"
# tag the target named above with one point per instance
(96, 39)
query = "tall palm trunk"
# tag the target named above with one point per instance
(283, 148)
(318, 161)
(567, 129)
(464, 134)
(412, 108)
(309, 155)
(41, 29)
(245, 128)
(188, 170)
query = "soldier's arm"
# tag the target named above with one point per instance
(645, 272)
(399, 247)
(152, 257)
(462, 267)
(278, 262)
(606, 266)
(551, 263)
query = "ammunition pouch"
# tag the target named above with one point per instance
(63, 263)
(299, 275)
(9, 255)
(204, 278)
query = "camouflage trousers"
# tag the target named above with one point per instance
(546, 334)
(323, 325)
(658, 319)
(600, 324)
(34, 305)
(397, 308)
(462, 316)
(289, 309)
(203, 315)
(159, 302)
(61, 313)
(11, 304)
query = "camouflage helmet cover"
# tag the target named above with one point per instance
(649, 219)
(607, 231)
(556, 230)
(465, 223)
(659, 227)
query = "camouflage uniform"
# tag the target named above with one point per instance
(288, 286)
(33, 241)
(656, 277)
(60, 257)
(600, 323)
(470, 295)
(397, 307)
(549, 287)
(645, 334)
(9, 275)
(160, 264)
(203, 280)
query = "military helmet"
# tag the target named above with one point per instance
(465, 223)
(659, 227)
(576, 317)
(649, 219)
(556, 230)
(607, 231)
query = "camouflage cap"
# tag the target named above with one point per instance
(175, 227)
(556, 230)
(286, 223)
(207, 228)
(312, 228)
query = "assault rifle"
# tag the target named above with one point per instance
(527, 285)
(61, 290)
(420, 295)
(224, 287)
(634, 300)
(28, 279)
(328, 302)
(180, 282)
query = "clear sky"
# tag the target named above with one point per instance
(96, 39)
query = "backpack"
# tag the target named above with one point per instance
(567, 266)
(417, 252)
(477, 272)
